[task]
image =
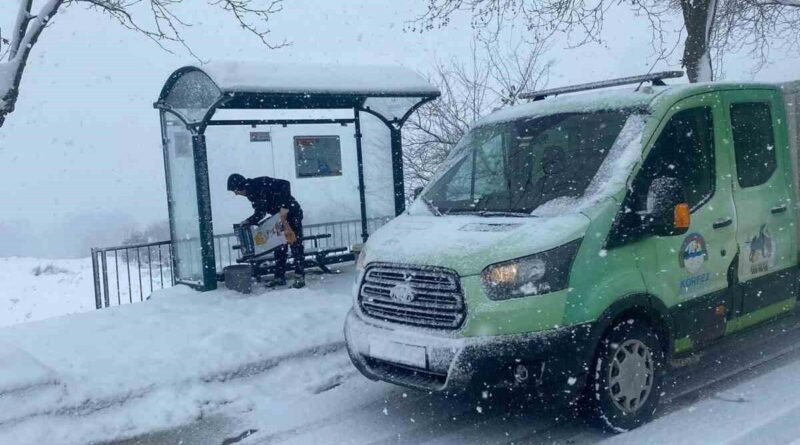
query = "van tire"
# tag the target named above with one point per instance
(612, 401)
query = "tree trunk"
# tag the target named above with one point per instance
(698, 17)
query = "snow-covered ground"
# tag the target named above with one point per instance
(189, 367)
(763, 410)
(35, 289)
(740, 398)
(724, 401)
(166, 362)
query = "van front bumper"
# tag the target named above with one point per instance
(556, 360)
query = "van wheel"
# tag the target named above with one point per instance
(625, 382)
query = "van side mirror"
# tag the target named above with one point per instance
(417, 192)
(667, 211)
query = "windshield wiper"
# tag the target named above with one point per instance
(490, 213)
(432, 207)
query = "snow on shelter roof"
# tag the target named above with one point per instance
(389, 91)
(365, 80)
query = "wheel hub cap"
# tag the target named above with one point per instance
(630, 375)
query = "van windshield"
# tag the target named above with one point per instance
(514, 167)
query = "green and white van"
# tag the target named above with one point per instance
(578, 244)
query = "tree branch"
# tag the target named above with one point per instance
(11, 71)
(490, 79)
(20, 27)
(157, 20)
(750, 25)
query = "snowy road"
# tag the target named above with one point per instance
(713, 401)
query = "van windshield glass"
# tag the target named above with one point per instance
(514, 167)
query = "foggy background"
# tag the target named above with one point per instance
(80, 159)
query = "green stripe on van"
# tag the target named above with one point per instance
(760, 315)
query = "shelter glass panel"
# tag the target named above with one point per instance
(183, 200)
(392, 108)
(193, 95)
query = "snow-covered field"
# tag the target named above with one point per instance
(35, 289)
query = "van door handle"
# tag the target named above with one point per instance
(778, 209)
(723, 222)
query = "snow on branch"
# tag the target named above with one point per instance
(27, 30)
(162, 21)
(20, 26)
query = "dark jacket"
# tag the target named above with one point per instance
(268, 196)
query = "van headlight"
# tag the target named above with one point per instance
(531, 275)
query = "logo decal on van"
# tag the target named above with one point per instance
(761, 251)
(693, 253)
(402, 293)
(692, 257)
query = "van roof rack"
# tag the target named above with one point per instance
(655, 78)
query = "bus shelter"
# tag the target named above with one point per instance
(192, 95)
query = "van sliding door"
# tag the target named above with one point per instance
(765, 234)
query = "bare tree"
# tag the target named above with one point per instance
(153, 232)
(718, 25)
(491, 79)
(158, 20)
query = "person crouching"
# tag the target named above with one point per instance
(272, 196)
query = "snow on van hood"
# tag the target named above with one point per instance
(469, 243)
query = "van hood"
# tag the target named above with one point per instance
(469, 243)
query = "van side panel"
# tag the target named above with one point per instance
(513, 316)
(600, 277)
(791, 97)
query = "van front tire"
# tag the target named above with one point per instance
(625, 380)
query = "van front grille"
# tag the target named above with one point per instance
(414, 295)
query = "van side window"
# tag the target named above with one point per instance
(684, 150)
(753, 142)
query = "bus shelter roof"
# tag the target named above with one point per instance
(195, 92)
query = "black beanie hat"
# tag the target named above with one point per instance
(236, 182)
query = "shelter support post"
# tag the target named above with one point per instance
(397, 170)
(361, 188)
(204, 212)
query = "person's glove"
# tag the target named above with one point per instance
(291, 237)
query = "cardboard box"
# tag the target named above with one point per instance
(267, 235)
(257, 240)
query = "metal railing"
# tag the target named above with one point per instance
(343, 234)
(127, 274)
(134, 272)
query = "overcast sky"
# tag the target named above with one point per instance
(81, 157)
